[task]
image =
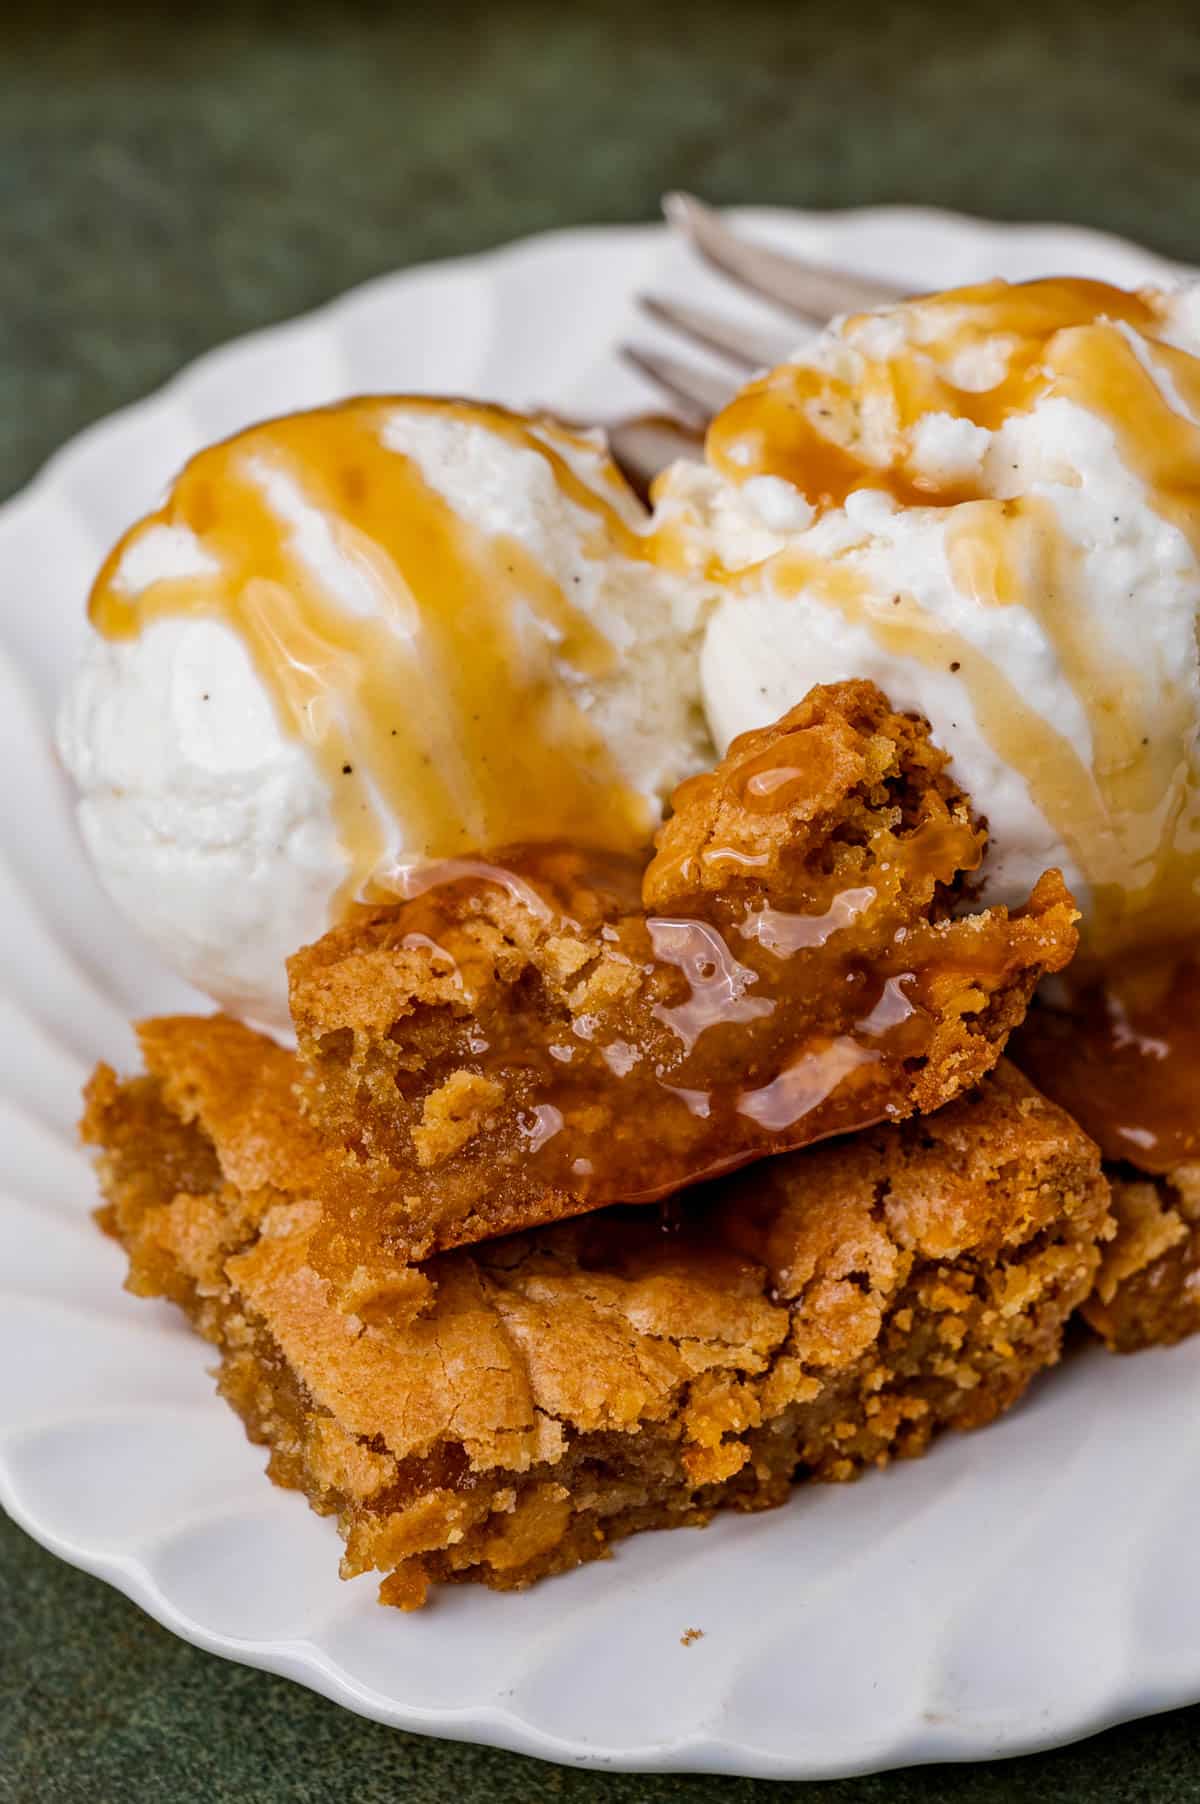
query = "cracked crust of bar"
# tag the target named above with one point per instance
(519, 1406)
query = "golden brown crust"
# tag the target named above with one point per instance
(805, 797)
(1148, 1288)
(512, 1409)
(536, 1037)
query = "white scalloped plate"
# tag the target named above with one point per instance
(1014, 1590)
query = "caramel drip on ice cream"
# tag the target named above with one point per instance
(832, 428)
(1127, 805)
(434, 670)
(1059, 778)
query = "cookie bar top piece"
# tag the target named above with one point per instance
(543, 1032)
(509, 1410)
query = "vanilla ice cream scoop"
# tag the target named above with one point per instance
(361, 638)
(988, 501)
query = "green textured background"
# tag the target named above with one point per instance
(171, 177)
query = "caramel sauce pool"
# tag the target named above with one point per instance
(423, 663)
(1121, 1052)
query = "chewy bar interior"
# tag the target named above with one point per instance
(510, 1410)
(537, 1035)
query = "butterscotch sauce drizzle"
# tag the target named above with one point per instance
(818, 428)
(439, 705)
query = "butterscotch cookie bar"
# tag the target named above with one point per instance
(548, 1031)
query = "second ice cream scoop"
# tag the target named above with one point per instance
(988, 502)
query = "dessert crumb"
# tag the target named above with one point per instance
(690, 1635)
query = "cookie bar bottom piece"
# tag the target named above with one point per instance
(507, 1411)
(1148, 1289)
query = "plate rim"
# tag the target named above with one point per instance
(303, 1661)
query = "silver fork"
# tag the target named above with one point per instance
(806, 291)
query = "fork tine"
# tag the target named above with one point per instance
(747, 346)
(810, 290)
(643, 446)
(696, 393)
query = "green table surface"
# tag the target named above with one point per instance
(172, 176)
